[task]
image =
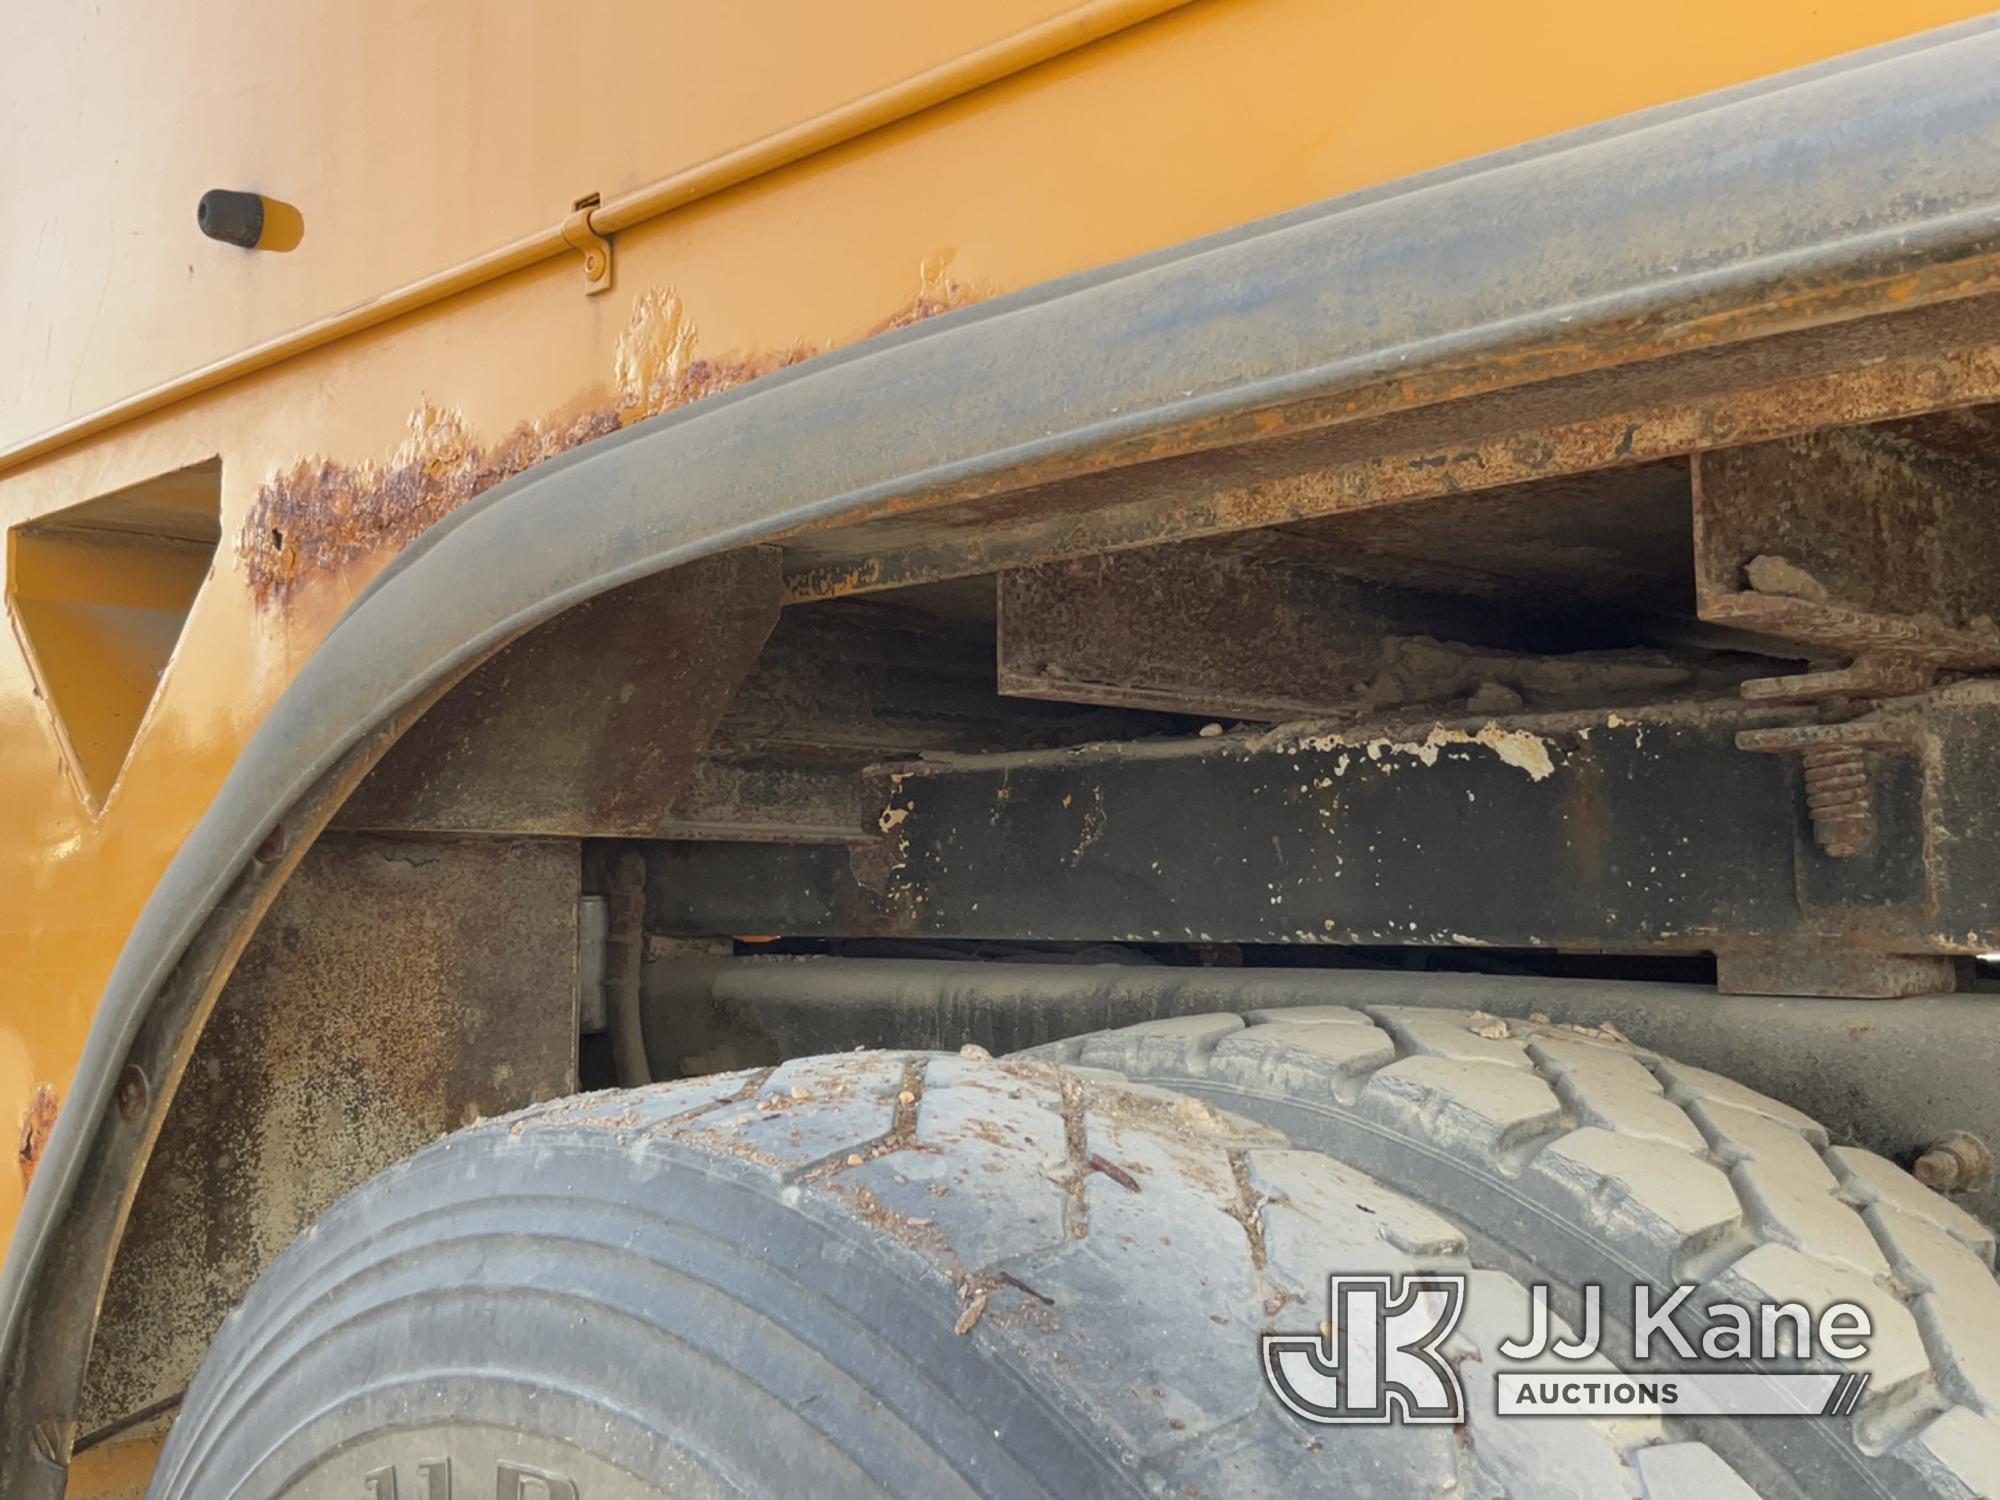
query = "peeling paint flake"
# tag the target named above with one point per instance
(1516, 747)
(938, 291)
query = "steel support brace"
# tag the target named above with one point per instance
(1265, 635)
(1854, 543)
(597, 724)
(1632, 831)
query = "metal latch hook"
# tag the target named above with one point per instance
(578, 234)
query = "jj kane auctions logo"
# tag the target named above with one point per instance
(1381, 1357)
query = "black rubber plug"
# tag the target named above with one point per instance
(232, 217)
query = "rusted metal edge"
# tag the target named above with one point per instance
(1087, 22)
(1372, 463)
(1224, 331)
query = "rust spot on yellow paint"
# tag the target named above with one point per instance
(657, 368)
(938, 291)
(37, 1120)
(319, 514)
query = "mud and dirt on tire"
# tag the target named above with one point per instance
(874, 1273)
(1571, 1156)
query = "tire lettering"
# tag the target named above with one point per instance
(519, 1482)
(511, 1481)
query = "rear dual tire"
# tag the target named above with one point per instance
(899, 1274)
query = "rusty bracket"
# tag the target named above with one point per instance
(1875, 733)
(1868, 677)
(1839, 779)
(1790, 541)
(595, 249)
